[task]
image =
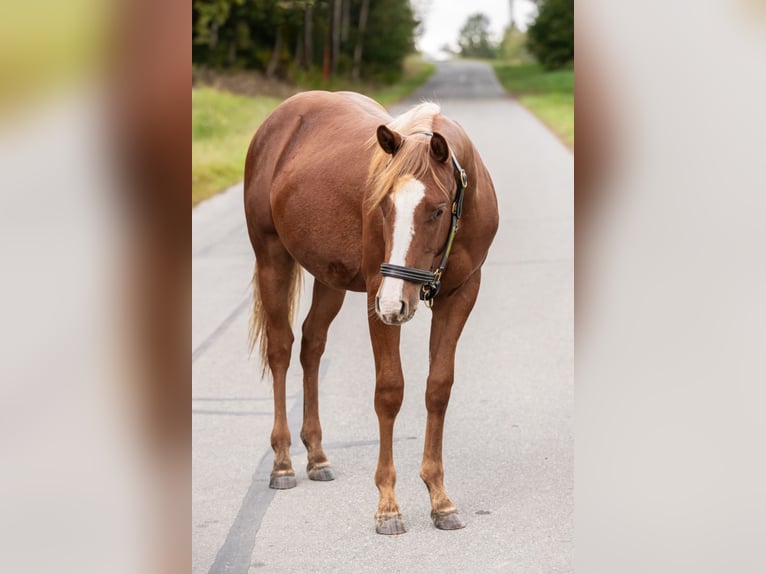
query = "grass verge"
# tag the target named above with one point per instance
(548, 95)
(222, 126)
(224, 123)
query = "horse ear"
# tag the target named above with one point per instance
(389, 140)
(439, 148)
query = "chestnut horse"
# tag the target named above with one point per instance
(365, 202)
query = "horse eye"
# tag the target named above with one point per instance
(438, 213)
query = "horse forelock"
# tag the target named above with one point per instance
(418, 118)
(413, 157)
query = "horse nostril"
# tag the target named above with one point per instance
(403, 310)
(377, 304)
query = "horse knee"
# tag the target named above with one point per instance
(389, 395)
(437, 394)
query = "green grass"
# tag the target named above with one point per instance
(223, 125)
(548, 95)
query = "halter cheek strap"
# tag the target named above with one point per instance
(431, 280)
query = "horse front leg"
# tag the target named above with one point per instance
(389, 392)
(449, 317)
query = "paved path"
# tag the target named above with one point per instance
(508, 438)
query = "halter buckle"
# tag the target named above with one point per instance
(429, 291)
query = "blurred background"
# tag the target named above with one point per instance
(248, 55)
(94, 384)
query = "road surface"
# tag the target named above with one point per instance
(508, 450)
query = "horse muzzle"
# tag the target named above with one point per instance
(391, 305)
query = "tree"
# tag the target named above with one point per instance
(337, 7)
(308, 22)
(474, 38)
(289, 38)
(389, 37)
(550, 38)
(359, 39)
(513, 46)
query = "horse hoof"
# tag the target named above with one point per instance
(282, 481)
(390, 524)
(322, 473)
(447, 520)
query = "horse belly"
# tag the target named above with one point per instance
(337, 274)
(324, 242)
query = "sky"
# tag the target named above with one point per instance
(442, 19)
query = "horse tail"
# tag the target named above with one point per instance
(258, 332)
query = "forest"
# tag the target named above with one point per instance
(294, 39)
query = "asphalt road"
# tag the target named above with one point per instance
(508, 450)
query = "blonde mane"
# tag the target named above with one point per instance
(412, 158)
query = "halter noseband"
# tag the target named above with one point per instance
(431, 280)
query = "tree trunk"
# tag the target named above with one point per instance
(274, 60)
(298, 59)
(308, 42)
(336, 13)
(232, 55)
(358, 48)
(213, 34)
(326, 57)
(346, 21)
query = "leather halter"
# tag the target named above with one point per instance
(431, 280)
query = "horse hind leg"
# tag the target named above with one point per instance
(276, 289)
(325, 304)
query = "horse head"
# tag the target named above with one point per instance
(415, 204)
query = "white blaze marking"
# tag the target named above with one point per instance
(406, 199)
